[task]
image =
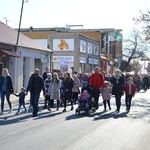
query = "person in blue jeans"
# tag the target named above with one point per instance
(6, 89)
(35, 85)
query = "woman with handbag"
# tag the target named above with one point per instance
(75, 89)
(6, 89)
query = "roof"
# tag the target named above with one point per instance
(9, 36)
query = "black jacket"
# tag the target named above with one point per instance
(35, 84)
(118, 86)
(9, 84)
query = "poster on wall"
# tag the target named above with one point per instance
(82, 46)
(90, 48)
(64, 65)
(63, 44)
(96, 49)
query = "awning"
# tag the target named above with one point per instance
(10, 53)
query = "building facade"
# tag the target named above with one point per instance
(21, 59)
(75, 51)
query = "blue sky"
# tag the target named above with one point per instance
(57, 13)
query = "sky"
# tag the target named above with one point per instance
(91, 14)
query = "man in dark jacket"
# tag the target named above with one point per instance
(35, 85)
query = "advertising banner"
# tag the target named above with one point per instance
(82, 46)
(63, 44)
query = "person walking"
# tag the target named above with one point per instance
(129, 93)
(106, 90)
(47, 92)
(118, 88)
(21, 96)
(47, 70)
(96, 80)
(55, 86)
(75, 89)
(35, 85)
(68, 85)
(6, 89)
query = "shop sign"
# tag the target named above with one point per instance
(91, 61)
(63, 45)
(95, 61)
(62, 58)
(83, 60)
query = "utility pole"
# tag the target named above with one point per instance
(20, 20)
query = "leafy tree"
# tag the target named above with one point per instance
(145, 19)
(134, 48)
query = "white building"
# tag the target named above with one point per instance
(21, 59)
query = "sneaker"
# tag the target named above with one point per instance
(10, 111)
(17, 113)
(49, 109)
(1, 113)
(64, 110)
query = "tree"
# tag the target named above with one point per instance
(145, 19)
(134, 48)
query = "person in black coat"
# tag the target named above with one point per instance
(118, 88)
(67, 88)
(35, 85)
(6, 89)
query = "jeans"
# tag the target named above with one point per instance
(118, 102)
(96, 98)
(20, 107)
(34, 102)
(128, 101)
(3, 94)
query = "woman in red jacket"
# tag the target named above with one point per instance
(129, 92)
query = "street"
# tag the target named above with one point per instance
(68, 131)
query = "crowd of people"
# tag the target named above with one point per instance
(68, 88)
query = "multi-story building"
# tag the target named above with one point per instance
(108, 40)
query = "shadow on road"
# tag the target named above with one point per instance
(105, 115)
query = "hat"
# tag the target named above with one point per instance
(106, 82)
(23, 88)
(49, 74)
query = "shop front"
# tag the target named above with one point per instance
(63, 63)
(83, 65)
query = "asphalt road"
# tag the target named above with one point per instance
(68, 131)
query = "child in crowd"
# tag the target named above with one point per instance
(84, 97)
(21, 96)
(106, 90)
(129, 93)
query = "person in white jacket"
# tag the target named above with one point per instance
(55, 86)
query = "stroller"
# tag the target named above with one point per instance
(85, 105)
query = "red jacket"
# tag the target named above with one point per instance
(132, 88)
(96, 80)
